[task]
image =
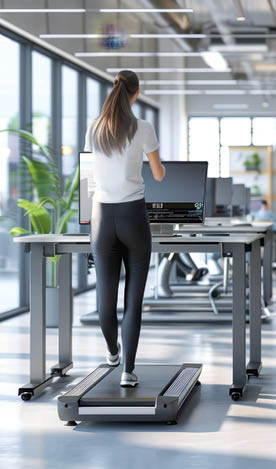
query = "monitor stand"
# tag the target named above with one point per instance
(162, 229)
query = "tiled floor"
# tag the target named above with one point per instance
(213, 431)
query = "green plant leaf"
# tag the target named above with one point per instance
(39, 217)
(62, 222)
(55, 259)
(43, 179)
(17, 231)
(45, 200)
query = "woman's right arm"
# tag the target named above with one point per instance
(157, 168)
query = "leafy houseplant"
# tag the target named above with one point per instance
(256, 191)
(52, 208)
(253, 162)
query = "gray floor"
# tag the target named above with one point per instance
(212, 430)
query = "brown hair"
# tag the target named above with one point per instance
(117, 123)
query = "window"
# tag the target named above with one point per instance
(69, 120)
(41, 98)
(264, 131)
(69, 144)
(137, 110)
(150, 115)
(9, 173)
(93, 100)
(204, 142)
(235, 131)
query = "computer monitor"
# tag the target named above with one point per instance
(239, 200)
(223, 191)
(86, 187)
(210, 199)
(180, 197)
(223, 197)
(248, 201)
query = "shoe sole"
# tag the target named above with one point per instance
(128, 384)
(115, 363)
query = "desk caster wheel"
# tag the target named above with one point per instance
(71, 423)
(235, 396)
(26, 396)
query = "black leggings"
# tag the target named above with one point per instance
(121, 232)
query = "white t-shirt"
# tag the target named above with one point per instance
(118, 177)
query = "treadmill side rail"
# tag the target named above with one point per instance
(85, 384)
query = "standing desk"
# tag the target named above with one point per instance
(235, 245)
(224, 225)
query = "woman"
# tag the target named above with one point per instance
(120, 228)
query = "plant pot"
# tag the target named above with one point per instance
(52, 306)
(252, 168)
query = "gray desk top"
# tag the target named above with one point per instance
(200, 238)
(224, 226)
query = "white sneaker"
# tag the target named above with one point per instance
(113, 360)
(129, 380)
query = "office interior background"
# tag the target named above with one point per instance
(207, 82)
(55, 87)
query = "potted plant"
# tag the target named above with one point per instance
(256, 191)
(50, 211)
(253, 162)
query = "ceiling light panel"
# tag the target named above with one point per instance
(189, 82)
(139, 54)
(211, 92)
(97, 10)
(170, 70)
(215, 60)
(145, 10)
(231, 107)
(43, 10)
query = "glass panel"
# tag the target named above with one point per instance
(137, 110)
(204, 142)
(224, 162)
(93, 110)
(41, 89)
(93, 100)
(69, 120)
(9, 165)
(236, 131)
(150, 115)
(264, 131)
(107, 91)
(69, 143)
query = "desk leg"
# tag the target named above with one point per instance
(239, 325)
(267, 267)
(38, 379)
(65, 316)
(255, 365)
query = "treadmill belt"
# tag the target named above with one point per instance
(152, 380)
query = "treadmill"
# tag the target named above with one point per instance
(159, 396)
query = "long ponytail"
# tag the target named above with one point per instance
(117, 123)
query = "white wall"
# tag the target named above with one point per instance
(173, 116)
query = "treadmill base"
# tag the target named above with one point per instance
(159, 396)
